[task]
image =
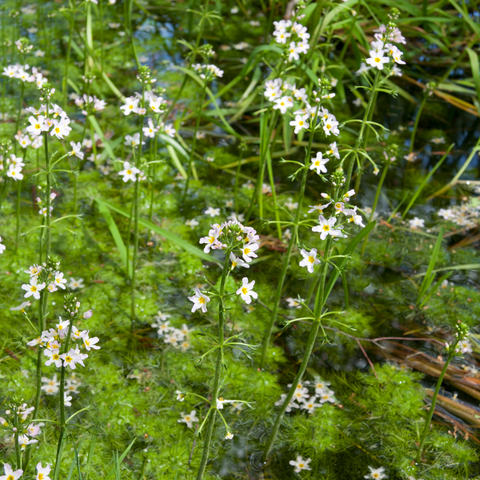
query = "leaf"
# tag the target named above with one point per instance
(475, 69)
(429, 275)
(426, 179)
(118, 460)
(180, 242)
(117, 238)
(176, 161)
(348, 250)
(99, 132)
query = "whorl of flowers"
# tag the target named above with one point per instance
(383, 51)
(207, 72)
(16, 421)
(90, 104)
(56, 341)
(20, 72)
(294, 36)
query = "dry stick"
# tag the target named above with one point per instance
(368, 359)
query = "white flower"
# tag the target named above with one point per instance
(331, 125)
(310, 405)
(88, 342)
(417, 223)
(333, 150)
(54, 355)
(326, 227)
(67, 402)
(151, 130)
(14, 171)
(211, 241)
(133, 141)
(180, 396)
(350, 193)
(248, 251)
(309, 259)
(43, 472)
(300, 464)
(246, 290)
(299, 123)
(318, 207)
(74, 284)
(33, 288)
(293, 52)
(10, 474)
(76, 147)
(376, 473)
(318, 163)
(192, 223)
(377, 58)
(353, 217)
(282, 104)
(169, 130)
(131, 105)
(189, 418)
(60, 281)
(327, 395)
(229, 436)
(37, 125)
(238, 261)
(60, 128)
(212, 212)
(199, 301)
(73, 357)
(129, 172)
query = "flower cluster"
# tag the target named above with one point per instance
(466, 215)
(460, 345)
(286, 31)
(21, 72)
(383, 50)
(16, 419)
(25, 140)
(51, 386)
(241, 243)
(207, 72)
(12, 165)
(90, 104)
(303, 400)
(56, 341)
(53, 120)
(176, 337)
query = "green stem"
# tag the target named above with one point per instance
(291, 243)
(218, 367)
(63, 426)
(417, 120)
(312, 336)
(359, 140)
(375, 202)
(194, 142)
(17, 229)
(434, 401)
(69, 49)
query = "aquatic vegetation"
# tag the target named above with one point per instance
(239, 240)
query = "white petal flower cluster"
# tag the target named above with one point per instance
(383, 50)
(25, 140)
(304, 400)
(53, 339)
(176, 337)
(294, 36)
(90, 104)
(21, 73)
(12, 165)
(300, 464)
(207, 72)
(55, 121)
(54, 280)
(466, 215)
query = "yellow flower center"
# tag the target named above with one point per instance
(244, 290)
(377, 59)
(55, 356)
(37, 126)
(311, 259)
(201, 300)
(129, 172)
(68, 358)
(33, 288)
(300, 123)
(57, 130)
(326, 228)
